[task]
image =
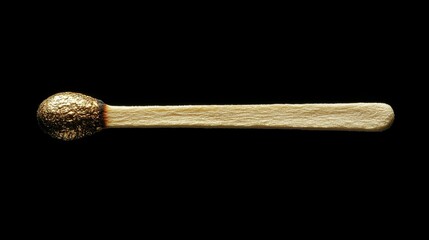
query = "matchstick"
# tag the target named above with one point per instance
(69, 116)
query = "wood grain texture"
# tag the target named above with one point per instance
(341, 117)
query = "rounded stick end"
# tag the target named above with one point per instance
(386, 117)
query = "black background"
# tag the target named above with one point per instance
(169, 57)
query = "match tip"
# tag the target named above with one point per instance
(69, 116)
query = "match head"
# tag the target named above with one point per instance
(69, 116)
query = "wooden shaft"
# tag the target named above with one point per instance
(348, 116)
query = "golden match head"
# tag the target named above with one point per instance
(69, 116)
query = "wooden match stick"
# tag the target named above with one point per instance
(70, 116)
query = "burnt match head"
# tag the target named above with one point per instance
(69, 116)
